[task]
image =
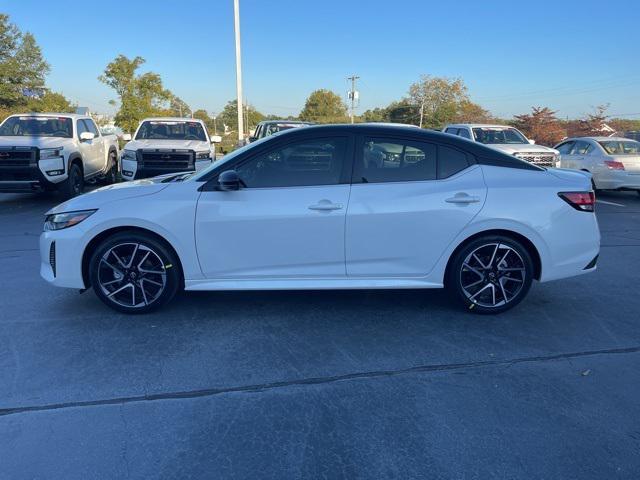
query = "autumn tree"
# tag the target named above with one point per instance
(438, 99)
(324, 106)
(592, 124)
(542, 125)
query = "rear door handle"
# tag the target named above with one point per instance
(463, 199)
(326, 205)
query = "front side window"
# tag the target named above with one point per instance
(37, 126)
(81, 127)
(171, 130)
(498, 135)
(580, 148)
(391, 160)
(621, 147)
(463, 132)
(565, 148)
(303, 163)
(91, 127)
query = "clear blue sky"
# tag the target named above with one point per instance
(569, 55)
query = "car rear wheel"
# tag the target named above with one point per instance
(134, 272)
(491, 274)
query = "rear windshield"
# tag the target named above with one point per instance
(153, 130)
(621, 147)
(493, 135)
(37, 127)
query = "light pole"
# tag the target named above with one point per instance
(236, 18)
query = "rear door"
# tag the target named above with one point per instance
(403, 214)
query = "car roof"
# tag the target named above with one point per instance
(600, 139)
(264, 122)
(171, 119)
(74, 116)
(478, 125)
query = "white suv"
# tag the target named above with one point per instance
(506, 139)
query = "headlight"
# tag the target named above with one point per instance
(203, 156)
(128, 155)
(58, 221)
(47, 153)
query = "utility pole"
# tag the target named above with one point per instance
(421, 111)
(236, 20)
(353, 94)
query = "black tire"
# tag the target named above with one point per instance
(74, 184)
(482, 282)
(112, 175)
(124, 261)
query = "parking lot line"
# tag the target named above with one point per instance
(611, 203)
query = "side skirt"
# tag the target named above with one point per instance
(310, 284)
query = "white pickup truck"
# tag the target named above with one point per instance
(506, 139)
(167, 145)
(54, 151)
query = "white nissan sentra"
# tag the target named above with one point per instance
(331, 207)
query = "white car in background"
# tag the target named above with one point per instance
(305, 209)
(614, 163)
(508, 140)
(167, 145)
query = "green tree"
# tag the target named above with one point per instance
(324, 106)
(22, 67)
(375, 115)
(51, 102)
(140, 95)
(229, 116)
(403, 111)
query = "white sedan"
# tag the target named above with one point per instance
(614, 163)
(304, 209)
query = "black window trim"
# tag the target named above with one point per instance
(211, 179)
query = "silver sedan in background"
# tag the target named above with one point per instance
(613, 162)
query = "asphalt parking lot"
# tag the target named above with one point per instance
(350, 384)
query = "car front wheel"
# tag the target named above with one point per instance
(491, 274)
(134, 272)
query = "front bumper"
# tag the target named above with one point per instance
(134, 170)
(25, 173)
(60, 260)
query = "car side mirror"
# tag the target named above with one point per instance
(215, 138)
(86, 136)
(532, 141)
(229, 181)
(126, 137)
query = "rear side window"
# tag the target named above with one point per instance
(451, 161)
(452, 131)
(393, 160)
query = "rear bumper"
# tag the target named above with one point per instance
(618, 180)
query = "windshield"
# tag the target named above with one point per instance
(621, 147)
(497, 135)
(37, 127)
(166, 130)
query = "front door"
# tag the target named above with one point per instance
(287, 221)
(406, 209)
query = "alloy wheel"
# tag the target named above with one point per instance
(132, 275)
(492, 275)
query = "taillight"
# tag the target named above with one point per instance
(583, 201)
(613, 165)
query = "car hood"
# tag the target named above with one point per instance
(195, 145)
(111, 193)
(524, 147)
(40, 142)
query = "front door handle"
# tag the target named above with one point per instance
(326, 205)
(463, 199)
